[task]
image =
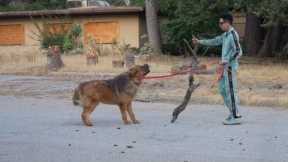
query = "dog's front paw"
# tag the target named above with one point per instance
(127, 122)
(136, 122)
(89, 124)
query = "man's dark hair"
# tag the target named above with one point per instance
(227, 17)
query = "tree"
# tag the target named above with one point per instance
(15, 5)
(253, 34)
(270, 16)
(275, 17)
(4, 2)
(153, 25)
(193, 17)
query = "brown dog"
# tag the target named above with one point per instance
(118, 91)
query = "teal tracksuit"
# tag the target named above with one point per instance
(231, 51)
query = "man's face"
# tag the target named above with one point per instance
(224, 25)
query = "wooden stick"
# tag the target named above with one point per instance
(186, 100)
(193, 52)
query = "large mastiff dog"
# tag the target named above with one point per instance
(118, 91)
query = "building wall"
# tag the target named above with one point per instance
(128, 27)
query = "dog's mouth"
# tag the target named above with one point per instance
(145, 69)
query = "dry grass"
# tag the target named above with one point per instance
(22, 60)
(78, 64)
(261, 82)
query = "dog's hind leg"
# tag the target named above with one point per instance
(86, 114)
(123, 110)
(131, 114)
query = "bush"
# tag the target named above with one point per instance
(67, 40)
(67, 43)
(52, 40)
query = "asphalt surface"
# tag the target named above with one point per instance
(50, 130)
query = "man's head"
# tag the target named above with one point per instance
(225, 22)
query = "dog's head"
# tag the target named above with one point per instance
(138, 72)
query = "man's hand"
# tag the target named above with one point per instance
(219, 74)
(220, 71)
(195, 40)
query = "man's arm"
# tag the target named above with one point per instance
(217, 41)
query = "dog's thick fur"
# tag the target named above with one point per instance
(118, 91)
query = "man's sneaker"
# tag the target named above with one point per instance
(231, 121)
(229, 117)
(238, 116)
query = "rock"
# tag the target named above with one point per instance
(240, 143)
(122, 152)
(158, 84)
(129, 146)
(277, 86)
(76, 130)
(118, 128)
(231, 139)
(133, 141)
(115, 145)
(69, 145)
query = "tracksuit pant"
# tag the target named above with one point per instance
(229, 90)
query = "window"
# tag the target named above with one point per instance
(102, 32)
(12, 34)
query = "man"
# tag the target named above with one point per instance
(231, 51)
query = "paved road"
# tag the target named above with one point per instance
(38, 130)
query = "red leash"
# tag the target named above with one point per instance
(169, 75)
(188, 69)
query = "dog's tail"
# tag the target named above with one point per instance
(76, 97)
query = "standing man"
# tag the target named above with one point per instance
(231, 51)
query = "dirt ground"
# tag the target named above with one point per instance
(262, 82)
(50, 130)
(172, 90)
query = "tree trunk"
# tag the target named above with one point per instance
(253, 34)
(54, 59)
(284, 42)
(153, 25)
(271, 41)
(276, 38)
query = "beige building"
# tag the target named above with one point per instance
(105, 24)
